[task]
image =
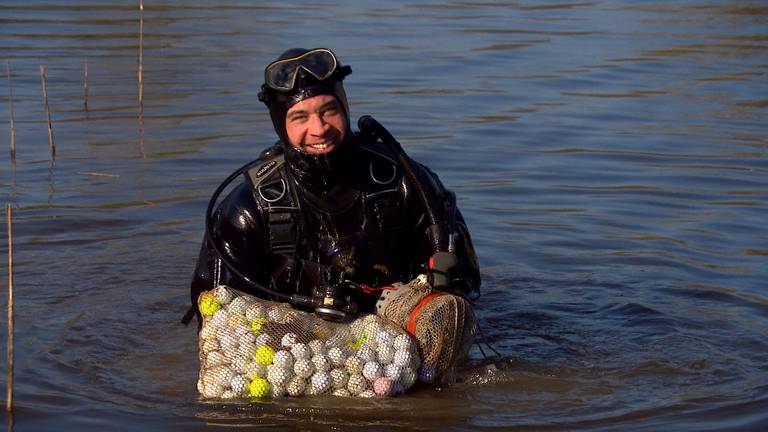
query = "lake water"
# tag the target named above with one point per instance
(610, 157)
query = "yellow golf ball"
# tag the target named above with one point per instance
(209, 304)
(256, 324)
(264, 355)
(258, 387)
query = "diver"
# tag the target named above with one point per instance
(326, 217)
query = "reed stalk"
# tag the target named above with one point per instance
(85, 84)
(9, 361)
(140, 72)
(44, 85)
(12, 128)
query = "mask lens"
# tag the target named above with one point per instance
(281, 75)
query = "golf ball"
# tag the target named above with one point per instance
(238, 306)
(382, 386)
(254, 310)
(208, 304)
(354, 365)
(402, 342)
(320, 383)
(223, 294)
(258, 387)
(372, 370)
(303, 368)
(296, 386)
(336, 355)
(265, 354)
(239, 384)
(301, 351)
(321, 362)
(278, 376)
(357, 384)
(289, 339)
(339, 378)
(342, 393)
(284, 359)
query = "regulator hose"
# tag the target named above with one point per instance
(443, 258)
(293, 298)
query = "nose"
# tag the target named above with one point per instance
(317, 125)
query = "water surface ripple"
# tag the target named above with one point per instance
(609, 157)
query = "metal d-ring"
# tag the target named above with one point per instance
(394, 173)
(282, 194)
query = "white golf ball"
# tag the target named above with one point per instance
(239, 384)
(214, 358)
(208, 331)
(223, 294)
(240, 363)
(337, 356)
(238, 306)
(210, 345)
(296, 386)
(321, 362)
(393, 372)
(402, 342)
(372, 370)
(384, 338)
(247, 349)
(317, 346)
(402, 358)
(276, 391)
(366, 354)
(304, 368)
(278, 376)
(339, 377)
(255, 369)
(220, 318)
(320, 383)
(301, 351)
(221, 375)
(354, 365)
(357, 384)
(385, 354)
(289, 339)
(255, 310)
(368, 394)
(284, 359)
(342, 393)
(275, 313)
(263, 339)
(244, 333)
(212, 389)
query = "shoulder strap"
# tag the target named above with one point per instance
(278, 202)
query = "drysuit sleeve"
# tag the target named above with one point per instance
(465, 277)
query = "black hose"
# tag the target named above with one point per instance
(369, 125)
(293, 299)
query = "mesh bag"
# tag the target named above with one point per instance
(443, 324)
(253, 348)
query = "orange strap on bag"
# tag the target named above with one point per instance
(411, 326)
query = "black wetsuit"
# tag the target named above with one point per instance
(355, 211)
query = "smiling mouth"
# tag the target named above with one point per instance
(320, 147)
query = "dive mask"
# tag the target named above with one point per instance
(321, 63)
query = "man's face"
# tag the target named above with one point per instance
(316, 125)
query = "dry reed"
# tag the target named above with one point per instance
(9, 360)
(44, 85)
